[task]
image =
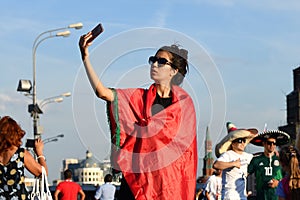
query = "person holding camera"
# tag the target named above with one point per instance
(14, 158)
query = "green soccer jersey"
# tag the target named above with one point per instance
(265, 169)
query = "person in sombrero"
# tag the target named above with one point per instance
(266, 165)
(233, 160)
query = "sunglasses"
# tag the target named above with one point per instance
(270, 143)
(240, 140)
(160, 61)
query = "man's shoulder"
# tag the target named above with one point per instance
(233, 154)
(260, 157)
(108, 185)
(77, 184)
(61, 183)
(247, 154)
(227, 153)
(275, 157)
(257, 158)
(68, 183)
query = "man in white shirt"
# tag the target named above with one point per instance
(234, 161)
(107, 190)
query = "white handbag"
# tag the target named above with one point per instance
(40, 189)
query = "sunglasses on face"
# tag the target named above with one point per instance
(160, 61)
(270, 143)
(240, 140)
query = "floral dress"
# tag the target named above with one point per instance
(12, 186)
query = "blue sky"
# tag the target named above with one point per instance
(251, 47)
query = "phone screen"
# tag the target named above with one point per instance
(96, 32)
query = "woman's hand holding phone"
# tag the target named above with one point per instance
(96, 32)
(85, 40)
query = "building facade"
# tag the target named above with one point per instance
(293, 121)
(293, 109)
(87, 171)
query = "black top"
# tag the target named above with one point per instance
(160, 103)
(12, 177)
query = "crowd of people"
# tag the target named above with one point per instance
(277, 174)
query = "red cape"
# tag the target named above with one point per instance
(156, 154)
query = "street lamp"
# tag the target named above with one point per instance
(37, 108)
(53, 139)
(54, 99)
(25, 85)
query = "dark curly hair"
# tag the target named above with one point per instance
(179, 61)
(11, 133)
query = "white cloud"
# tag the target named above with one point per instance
(4, 98)
(10, 100)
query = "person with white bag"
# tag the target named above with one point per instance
(14, 158)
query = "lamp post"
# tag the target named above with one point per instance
(25, 85)
(54, 99)
(53, 139)
(38, 109)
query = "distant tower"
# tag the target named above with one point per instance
(208, 158)
(293, 108)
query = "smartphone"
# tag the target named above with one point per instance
(96, 32)
(30, 143)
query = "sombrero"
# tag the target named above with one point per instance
(234, 133)
(281, 137)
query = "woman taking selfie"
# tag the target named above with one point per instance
(153, 130)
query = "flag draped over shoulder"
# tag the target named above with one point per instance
(156, 154)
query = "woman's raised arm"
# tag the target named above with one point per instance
(100, 90)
